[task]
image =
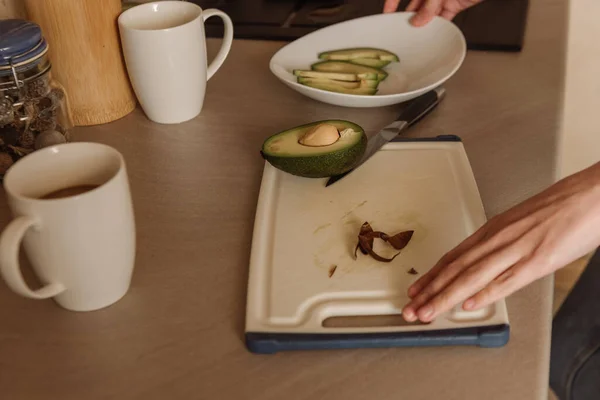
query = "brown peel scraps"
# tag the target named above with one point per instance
(366, 238)
(365, 229)
(400, 240)
(332, 270)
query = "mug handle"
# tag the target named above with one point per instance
(10, 242)
(227, 40)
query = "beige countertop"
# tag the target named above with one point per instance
(179, 331)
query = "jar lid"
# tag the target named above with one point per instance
(20, 41)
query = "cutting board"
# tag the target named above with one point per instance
(306, 288)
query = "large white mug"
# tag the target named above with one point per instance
(73, 214)
(164, 46)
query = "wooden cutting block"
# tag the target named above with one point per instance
(86, 56)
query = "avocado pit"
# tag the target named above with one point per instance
(320, 135)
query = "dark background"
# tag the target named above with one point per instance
(497, 25)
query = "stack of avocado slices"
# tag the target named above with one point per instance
(350, 71)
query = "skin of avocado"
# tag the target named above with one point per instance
(324, 165)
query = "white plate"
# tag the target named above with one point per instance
(429, 56)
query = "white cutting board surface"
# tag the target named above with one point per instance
(303, 229)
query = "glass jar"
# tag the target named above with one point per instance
(34, 111)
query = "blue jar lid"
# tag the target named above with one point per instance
(20, 40)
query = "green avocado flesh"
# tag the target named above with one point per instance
(359, 52)
(363, 83)
(284, 151)
(334, 87)
(370, 83)
(346, 67)
(350, 77)
(355, 71)
(370, 62)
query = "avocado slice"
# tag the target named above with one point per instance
(363, 83)
(359, 52)
(346, 67)
(334, 87)
(370, 83)
(289, 152)
(343, 84)
(370, 62)
(349, 77)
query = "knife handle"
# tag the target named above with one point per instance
(421, 106)
(439, 138)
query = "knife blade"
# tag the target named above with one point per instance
(412, 113)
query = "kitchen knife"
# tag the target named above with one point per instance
(412, 113)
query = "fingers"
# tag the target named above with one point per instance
(504, 285)
(449, 15)
(444, 294)
(391, 6)
(490, 242)
(485, 241)
(426, 10)
(473, 280)
(430, 9)
(414, 5)
(449, 257)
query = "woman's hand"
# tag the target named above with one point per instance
(527, 242)
(427, 9)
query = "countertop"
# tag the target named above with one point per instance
(178, 333)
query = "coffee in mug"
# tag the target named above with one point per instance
(68, 192)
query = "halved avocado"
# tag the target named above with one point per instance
(359, 52)
(345, 67)
(370, 62)
(349, 77)
(316, 150)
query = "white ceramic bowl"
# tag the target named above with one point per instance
(429, 56)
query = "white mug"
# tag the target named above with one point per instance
(164, 46)
(80, 246)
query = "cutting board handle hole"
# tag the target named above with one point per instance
(368, 321)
